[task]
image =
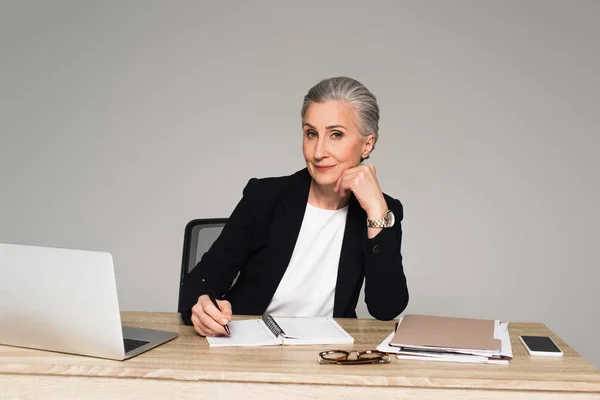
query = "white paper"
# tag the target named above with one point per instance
(500, 332)
(251, 332)
(313, 330)
(254, 332)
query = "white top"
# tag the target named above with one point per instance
(307, 288)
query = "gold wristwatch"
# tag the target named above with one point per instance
(386, 222)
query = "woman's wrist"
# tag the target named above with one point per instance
(377, 211)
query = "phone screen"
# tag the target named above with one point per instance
(541, 343)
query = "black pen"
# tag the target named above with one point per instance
(212, 298)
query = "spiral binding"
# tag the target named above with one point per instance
(273, 326)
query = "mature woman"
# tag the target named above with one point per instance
(303, 244)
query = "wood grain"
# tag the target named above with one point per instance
(189, 358)
(40, 387)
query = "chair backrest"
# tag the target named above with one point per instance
(198, 237)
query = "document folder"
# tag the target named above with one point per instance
(425, 331)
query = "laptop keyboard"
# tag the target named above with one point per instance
(132, 344)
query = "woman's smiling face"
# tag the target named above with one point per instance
(332, 142)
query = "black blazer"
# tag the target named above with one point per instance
(258, 241)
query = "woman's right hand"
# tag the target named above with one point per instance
(207, 319)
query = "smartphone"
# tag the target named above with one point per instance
(540, 346)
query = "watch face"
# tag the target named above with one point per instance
(390, 219)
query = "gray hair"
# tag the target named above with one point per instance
(352, 91)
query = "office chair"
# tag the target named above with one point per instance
(198, 237)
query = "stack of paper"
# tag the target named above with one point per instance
(432, 338)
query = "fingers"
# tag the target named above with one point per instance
(341, 185)
(204, 322)
(198, 327)
(213, 312)
(225, 307)
(213, 327)
(361, 181)
(350, 180)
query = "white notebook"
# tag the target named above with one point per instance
(269, 331)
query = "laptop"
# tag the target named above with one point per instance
(65, 300)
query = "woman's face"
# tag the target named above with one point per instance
(332, 142)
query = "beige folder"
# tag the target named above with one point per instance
(446, 332)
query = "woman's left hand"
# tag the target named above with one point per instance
(362, 181)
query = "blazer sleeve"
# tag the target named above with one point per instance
(386, 292)
(226, 257)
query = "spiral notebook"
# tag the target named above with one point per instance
(273, 331)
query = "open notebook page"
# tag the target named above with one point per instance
(250, 332)
(324, 330)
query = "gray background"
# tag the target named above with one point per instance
(123, 120)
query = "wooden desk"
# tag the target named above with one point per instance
(188, 368)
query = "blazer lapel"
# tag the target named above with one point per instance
(349, 269)
(285, 229)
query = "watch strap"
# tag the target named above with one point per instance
(378, 223)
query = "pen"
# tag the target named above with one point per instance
(212, 298)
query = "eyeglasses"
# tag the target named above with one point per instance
(342, 357)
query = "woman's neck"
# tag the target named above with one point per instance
(323, 196)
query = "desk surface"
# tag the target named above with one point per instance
(190, 359)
